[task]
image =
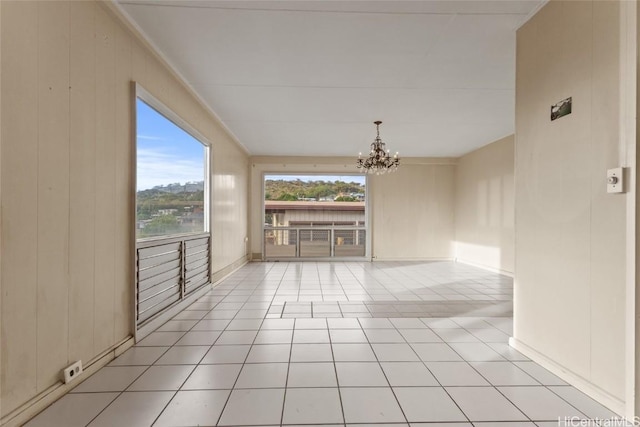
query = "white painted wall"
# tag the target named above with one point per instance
(570, 234)
(484, 207)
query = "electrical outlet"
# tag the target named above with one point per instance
(72, 371)
(615, 180)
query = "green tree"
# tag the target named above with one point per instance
(288, 197)
(165, 224)
(345, 199)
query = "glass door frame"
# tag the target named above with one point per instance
(367, 214)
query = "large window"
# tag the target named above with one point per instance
(314, 216)
(172, 187)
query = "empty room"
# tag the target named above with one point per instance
(319, 213)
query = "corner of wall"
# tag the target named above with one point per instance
(484, 207)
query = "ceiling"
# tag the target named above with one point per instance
(308, 78)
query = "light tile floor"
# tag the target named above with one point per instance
(391, 344)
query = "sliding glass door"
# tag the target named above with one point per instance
(314, 216)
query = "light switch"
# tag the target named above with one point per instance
(615, 180)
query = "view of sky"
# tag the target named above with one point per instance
(166, 154)
(360, 179)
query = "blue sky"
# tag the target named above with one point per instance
(165, 153)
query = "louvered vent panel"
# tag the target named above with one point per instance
(167, 271)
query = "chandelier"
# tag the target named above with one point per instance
(379, 160)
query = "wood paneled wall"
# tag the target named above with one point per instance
(484, 206)
(570, 234)
(67, 174)
(412, 212)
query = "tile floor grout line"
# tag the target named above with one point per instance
(432, 374)
(190, 373)
(540, 384)
(286, 382)
(210, 348)
(274, 294)
(385, 375)
(335, 370)
(155, 420)
(492, 385)
(565, 400)
(120, 393)
(103, 409)
(224, 407)
(344, 293)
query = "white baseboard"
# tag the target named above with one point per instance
(220, 275)
(163, 317)
(485, 267)
(579, 382)
(41, 401)
(166, 315)
(385, 259)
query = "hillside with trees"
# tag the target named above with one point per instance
(313, 190)
(170, 209)
(150, 202)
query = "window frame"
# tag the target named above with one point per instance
(162, 109)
